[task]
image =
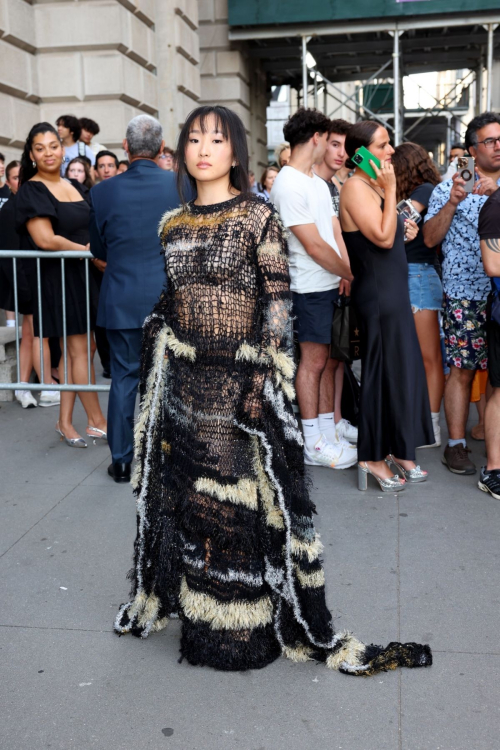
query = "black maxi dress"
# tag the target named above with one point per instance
(69, 220)
(225, 536)
(394, 409)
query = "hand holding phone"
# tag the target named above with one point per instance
(466, 169)
(381, 175)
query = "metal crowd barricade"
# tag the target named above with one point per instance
(62, 256)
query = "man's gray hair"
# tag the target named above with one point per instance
(144, 136)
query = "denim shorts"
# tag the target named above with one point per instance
(426, 290)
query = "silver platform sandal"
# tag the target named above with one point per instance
(392, 484)
(412, 476)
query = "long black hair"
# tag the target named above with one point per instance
(359, 134)
(229, 124)
(27, 169)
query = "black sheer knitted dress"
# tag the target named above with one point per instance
(225, 536)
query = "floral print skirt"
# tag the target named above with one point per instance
(464, 324)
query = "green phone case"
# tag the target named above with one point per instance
(362, 160)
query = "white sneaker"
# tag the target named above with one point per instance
(339, 456)
(50, 398)
(347, 431)
(26, 399)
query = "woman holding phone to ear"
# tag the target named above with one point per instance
(394, 412)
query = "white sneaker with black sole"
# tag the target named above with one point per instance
(50, 398)
(342, 455)
(26, 399)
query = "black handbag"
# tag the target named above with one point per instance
(340, 341)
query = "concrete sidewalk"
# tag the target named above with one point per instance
(421, 566)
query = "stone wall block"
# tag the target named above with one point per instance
(61, 76)
(149, 101)
(188, 10)
(16, 76)
(24, 116)
(224, 89)
(186, 40)
(17, 24)
(187, 77)
(146, 11)
(104, 76)
(214, 36)
(206, 10)
(141, 41)
(183, 106)
(208, 65)
(221, 12)
(232, 61)
(65, 25)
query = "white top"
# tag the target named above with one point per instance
(300, 199)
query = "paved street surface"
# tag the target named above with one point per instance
(423, 566)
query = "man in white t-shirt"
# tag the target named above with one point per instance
(317, 269)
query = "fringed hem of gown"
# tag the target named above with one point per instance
(235, 556)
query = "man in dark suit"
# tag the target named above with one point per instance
(125, 212)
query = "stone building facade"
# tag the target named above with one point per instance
(113, 59)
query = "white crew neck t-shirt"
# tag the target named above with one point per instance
(300, 199)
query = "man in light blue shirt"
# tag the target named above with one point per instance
(452, 219)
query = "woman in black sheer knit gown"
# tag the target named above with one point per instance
(225, 537)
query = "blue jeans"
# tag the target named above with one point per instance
(426, 290)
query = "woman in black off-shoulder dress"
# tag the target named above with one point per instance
(52, 214)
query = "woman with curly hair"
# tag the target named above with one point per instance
(416, 178)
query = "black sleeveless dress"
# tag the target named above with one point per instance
(395, 414)
(69, 220)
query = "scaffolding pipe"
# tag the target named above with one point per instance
(491, 29)
(479, 87)
(304, 72)
(397, 90)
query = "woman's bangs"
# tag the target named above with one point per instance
(221, 123)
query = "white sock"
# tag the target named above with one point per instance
(312, 432)
(10, 323)
(327, 426)
(435, 417)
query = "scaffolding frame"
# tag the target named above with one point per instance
(396, 29)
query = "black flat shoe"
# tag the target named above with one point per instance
(119, 472)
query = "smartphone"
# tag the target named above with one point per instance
(362, 160)
(408, 211)
(467, 168)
